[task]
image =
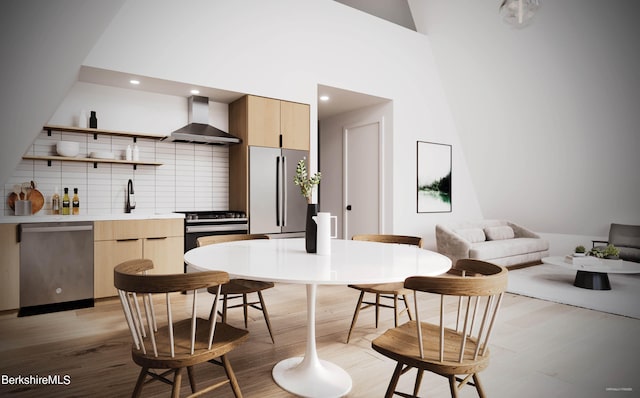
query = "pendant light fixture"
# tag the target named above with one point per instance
(519, 13)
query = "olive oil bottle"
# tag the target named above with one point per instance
(66, 203)
(75, 202)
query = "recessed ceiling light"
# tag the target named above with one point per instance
(134, 82)
(194, 91)
(324, 98)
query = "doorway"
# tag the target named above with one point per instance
(362, 182)
(354, 143)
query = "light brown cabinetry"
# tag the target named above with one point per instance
(9, 267)
(159, 240)
(265, 122)
(107, 254)
(294, 124)
(269, 122)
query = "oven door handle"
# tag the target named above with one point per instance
(215, 228)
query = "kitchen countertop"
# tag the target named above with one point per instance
(85, 217)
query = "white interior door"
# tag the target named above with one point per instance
(362, 183)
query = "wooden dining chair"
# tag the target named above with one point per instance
(171, 338)
(240, 288)
(388, 291)
(455, 344)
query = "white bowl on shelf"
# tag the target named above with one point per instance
(102, 155)
(68, 149)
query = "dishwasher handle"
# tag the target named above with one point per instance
(67, 228)
(51, 227)
(54, 228)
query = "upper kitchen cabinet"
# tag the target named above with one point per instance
(269, 122)
(294, 124)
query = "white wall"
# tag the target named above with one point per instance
(43, 44)
(548, 115)
(284, 49)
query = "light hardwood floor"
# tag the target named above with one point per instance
(540, 349)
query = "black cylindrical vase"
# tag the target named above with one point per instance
(311, 229)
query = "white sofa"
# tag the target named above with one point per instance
(497, 241)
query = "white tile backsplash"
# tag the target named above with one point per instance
(191, 177)
(185, 177)
(98, 195)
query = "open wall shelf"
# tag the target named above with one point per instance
(95, 133)
(49, 128)
(90, 160)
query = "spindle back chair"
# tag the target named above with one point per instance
(454, 342)
(239, 288)
(389, 291)
(171, 337)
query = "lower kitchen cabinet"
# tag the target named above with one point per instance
(161, 241)
(106, 255)
(9, 267)
(167, 254)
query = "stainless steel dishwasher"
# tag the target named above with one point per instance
(56, 267)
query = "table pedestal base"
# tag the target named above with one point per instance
(310, 376)
(322, 379)
(592, 280)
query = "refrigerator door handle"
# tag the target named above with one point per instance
(284, 190)
(278, 211)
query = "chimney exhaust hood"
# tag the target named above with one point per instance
(199, 131)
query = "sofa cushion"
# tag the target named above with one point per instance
(506, 247)
(472, 235)
(499, 233)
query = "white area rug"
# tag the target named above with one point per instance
(553, 283)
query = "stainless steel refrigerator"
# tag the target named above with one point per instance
(275, 202)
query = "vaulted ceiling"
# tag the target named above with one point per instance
(396, 11)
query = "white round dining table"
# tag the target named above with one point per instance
(285, 260)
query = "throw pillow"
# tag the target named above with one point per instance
(499, 233)
(473, 235)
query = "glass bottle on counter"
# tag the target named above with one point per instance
(66, 210)
(75, 202)
(55, 202)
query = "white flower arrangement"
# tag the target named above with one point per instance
(304, 181)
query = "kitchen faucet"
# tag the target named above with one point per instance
(130, 201)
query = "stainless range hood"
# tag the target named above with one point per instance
(199, 131)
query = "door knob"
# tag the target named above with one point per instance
(349, 207)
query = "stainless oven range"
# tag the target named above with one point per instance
(205, 223)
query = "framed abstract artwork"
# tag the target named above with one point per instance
(434, 177)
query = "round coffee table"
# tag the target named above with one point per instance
(592, 273)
